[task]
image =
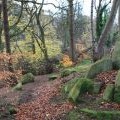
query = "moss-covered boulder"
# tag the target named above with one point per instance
(117, 95)
(27, 78)
(66, 72)
(101, 114)
(52, 77)
(108, 94)
(18, 86)
(116, 56)
(98, 67)
(69, 85)
(81, 86)
(117, 88)
(117, 81)
(97, 87)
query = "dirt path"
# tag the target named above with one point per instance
(34, 101)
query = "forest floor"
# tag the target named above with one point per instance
(36, 101)
(43, 100)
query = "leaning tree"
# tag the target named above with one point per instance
(99, 51)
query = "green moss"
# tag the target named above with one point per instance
(97, 87)
(66, 72)
(117, 88)
(98, 67)
(27, 78)
(12, 110)
(116, 56)
(18, 86)
(86, 110)
(116, 63)
(81, 86)
(102, 115)
(109, 92)
(69, 85)
(53, 76)
(117, 81)
(73, 115)
(117, 95)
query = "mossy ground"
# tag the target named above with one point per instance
(91, 107)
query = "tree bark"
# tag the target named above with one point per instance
(1, 27)
(71, 19)
(92, 31)
(6, 32)
(6, 26)
(102, 39)
(119, 17)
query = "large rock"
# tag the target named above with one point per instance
(69, 85)
(18, 86)
(116, 56)
(27, 78)
(97, 87)
(117, 88)
(117, 95)
(98, 67)
(67, 72)
(52, 77)
(117, 81)
(108, 94)
(83, 85)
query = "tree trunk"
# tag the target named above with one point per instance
(92, 31)
(71, 19)
(98, 21)
(101, 42)
(119, 18)
(6, 26)
(6, 32)
(33, 45)
(1, 27)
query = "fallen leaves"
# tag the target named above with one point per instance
(8, 79)
(110, 106)
(41, 108)
(107, 77)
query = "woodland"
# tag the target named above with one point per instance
(59, 64)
